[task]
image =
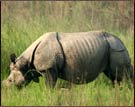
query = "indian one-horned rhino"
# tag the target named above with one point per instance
(76, 57)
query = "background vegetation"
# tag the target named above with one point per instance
(22, 22)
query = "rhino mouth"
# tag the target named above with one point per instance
(28, 78)
(23, 84)
(19, 86)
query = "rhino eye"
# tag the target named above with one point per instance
(10, 80)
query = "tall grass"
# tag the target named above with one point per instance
(24, 22)
(85, 95)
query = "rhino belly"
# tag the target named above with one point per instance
(85, 59)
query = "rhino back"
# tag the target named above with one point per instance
(85, 55)
(28, 52)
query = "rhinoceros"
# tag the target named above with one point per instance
(75, 57)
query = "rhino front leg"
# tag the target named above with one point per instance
(50, 78)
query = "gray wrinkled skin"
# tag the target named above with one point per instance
(76, 57)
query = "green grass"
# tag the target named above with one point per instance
(95, 93)
(19, 30)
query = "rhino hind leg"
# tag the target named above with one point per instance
(116, 75)
(120, 74)
(119, 62)
(50, 78)
(108, 73)
(119, 67)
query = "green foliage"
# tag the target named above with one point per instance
(23, 22)
(94, 94)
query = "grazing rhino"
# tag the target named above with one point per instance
(76, 57)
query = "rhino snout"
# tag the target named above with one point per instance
(16, 79)
(6, 83)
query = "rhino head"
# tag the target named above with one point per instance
(21, 73)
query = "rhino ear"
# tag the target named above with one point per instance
(13, 57)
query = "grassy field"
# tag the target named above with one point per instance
(20, 28)
(95, 93)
